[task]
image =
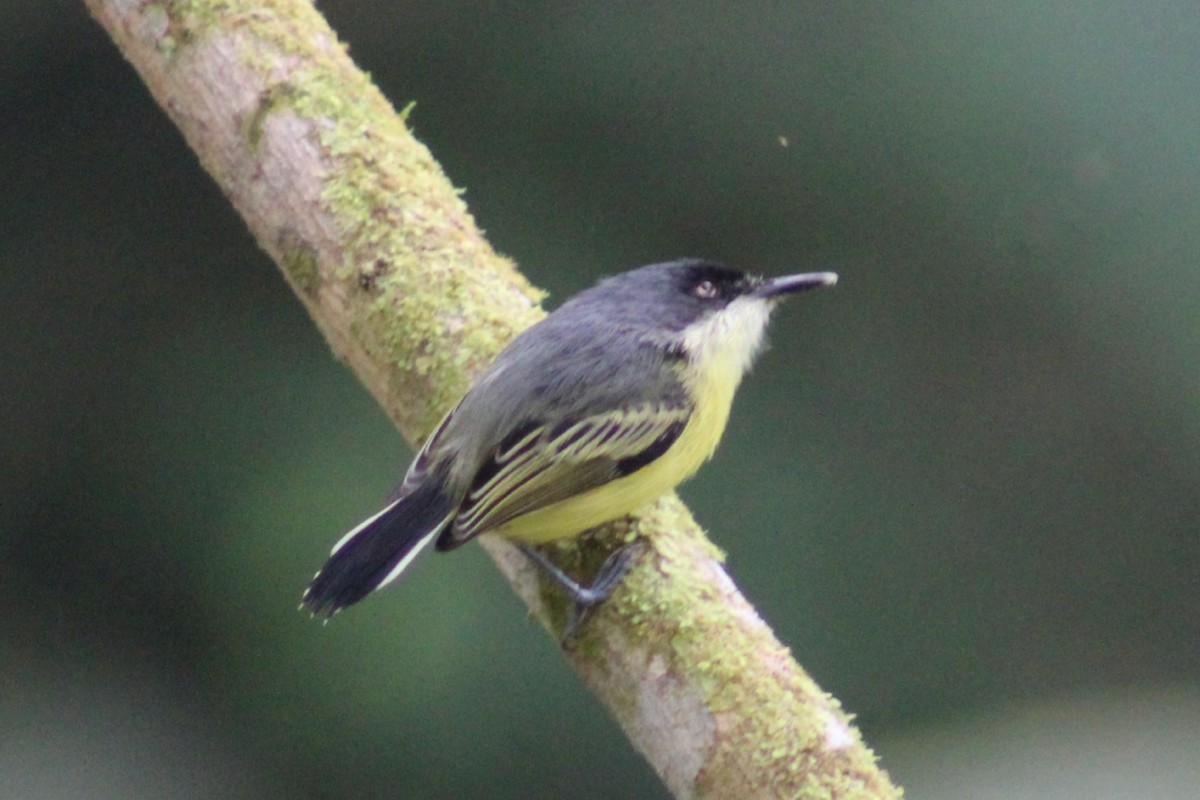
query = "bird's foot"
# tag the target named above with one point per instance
(584, 599)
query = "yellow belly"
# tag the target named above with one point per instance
(712, 390)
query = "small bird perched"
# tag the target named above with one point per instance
(605, 405)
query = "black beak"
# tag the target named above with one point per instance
(790, 284)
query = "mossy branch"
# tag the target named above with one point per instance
(380, 248)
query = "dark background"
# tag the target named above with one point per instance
(964, 486)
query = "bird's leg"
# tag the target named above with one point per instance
(585, 598)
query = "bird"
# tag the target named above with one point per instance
(606, 404)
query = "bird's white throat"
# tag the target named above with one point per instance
(727, 341)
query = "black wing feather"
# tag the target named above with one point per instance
(540, 465)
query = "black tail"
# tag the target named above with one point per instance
(378, 550)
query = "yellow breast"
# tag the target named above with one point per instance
(717, 362)
(626, 495)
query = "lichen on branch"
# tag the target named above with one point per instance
(384, 254)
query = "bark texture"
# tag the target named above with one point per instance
(382, 251)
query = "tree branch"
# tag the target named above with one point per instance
(382, 251)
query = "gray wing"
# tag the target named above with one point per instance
(540, 465)
(563, 410)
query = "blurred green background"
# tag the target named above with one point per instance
(964, 487)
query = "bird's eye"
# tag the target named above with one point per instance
(705, 290)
